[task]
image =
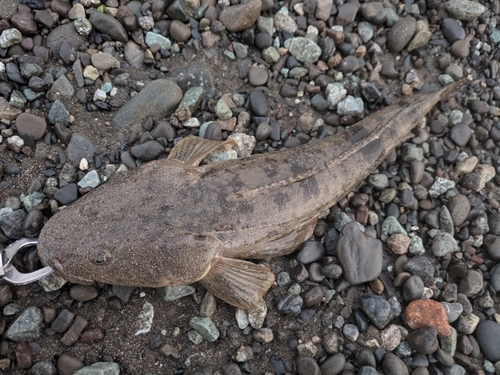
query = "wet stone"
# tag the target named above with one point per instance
(67, 194)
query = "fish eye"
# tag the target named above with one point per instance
(100, 256)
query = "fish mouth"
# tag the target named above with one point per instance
(59, 268)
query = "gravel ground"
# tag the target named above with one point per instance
(84, 99)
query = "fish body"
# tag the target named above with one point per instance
(175, 222)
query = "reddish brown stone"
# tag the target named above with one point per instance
(92, 334)
(423, 313)
(24, 355)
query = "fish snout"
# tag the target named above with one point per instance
(57, 265)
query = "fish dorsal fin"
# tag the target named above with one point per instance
(192, 150)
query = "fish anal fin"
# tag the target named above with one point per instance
(238, 282)
(192, 150)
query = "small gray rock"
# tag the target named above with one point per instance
(28, 326)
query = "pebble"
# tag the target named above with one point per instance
(440, 186)
(43, 368)
(472, 283)
(335, 92)
(258, 103)
(205, 327)
(467, 324)
(311, 251)
(31, 124)
(27, 327)
(67, 194)
(399, 243)
(240, 17)
(393, 365)
(453, 310)
(304, 50)
(11, 223)
(257, 76)
(10, 37)
(392, 226)
(264, 335)
(333, 365)
(307, 366)
(222, 110)
(444, 243)
(290, 304)
(25, 357)
(488, 337)
(460, 134)
(400, 34)
(83, 293)
(63, 321)
(464, 10)
(157, 99)
(359, 255)
(175, 292)
(423, 340)
(100, 368)
(424, 313)
(67, 364)
(390, 337)
(350, 106)
(413, 288)
(377, 309)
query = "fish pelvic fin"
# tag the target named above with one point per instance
(192, 150)
(238, 282)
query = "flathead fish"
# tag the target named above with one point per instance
(176, 222)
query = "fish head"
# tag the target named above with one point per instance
(80, 265)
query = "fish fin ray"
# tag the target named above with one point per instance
(192, 150)
(252, 192)
(275, 246)
(238, 282)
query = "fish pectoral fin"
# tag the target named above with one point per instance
(192, 150)
(238, 282)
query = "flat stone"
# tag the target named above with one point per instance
(194, 75)
(104, 61)
(157, 99)
(31, 124)
(109, 26)
(359, 255)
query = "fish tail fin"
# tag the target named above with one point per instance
(238, 282)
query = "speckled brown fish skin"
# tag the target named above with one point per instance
(172, 223)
